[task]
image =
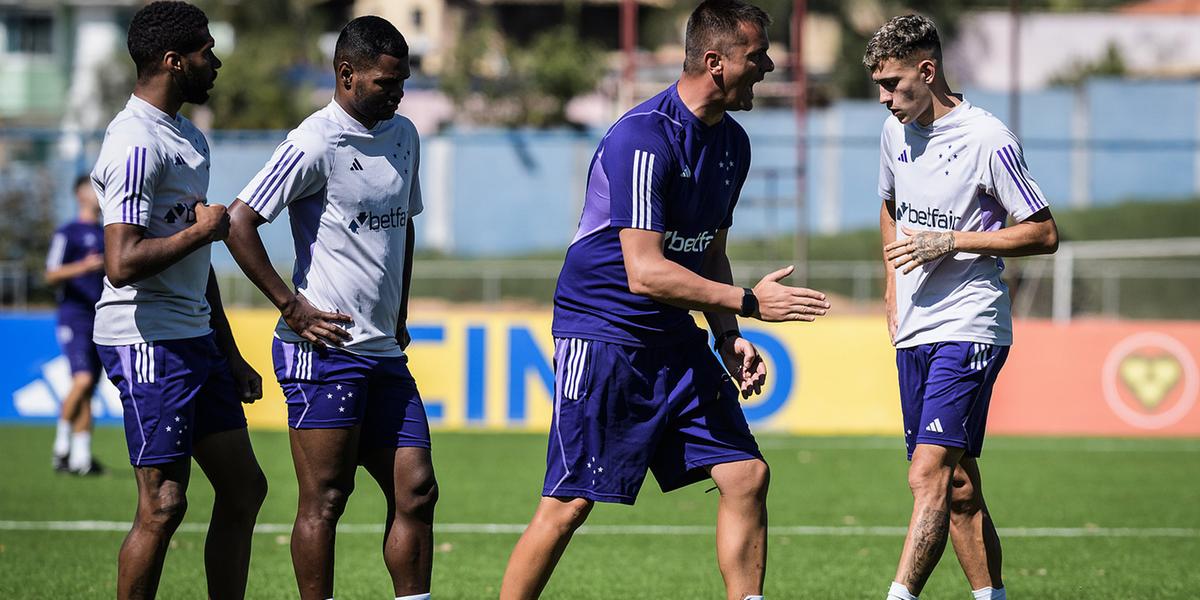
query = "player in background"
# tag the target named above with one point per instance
(75, 265)
(950, 175)
(636, 385)
(160, 329)
(348, 177)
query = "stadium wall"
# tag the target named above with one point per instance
(480, 370)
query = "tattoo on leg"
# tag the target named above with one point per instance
(929, 540)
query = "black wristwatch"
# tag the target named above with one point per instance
(749, 303)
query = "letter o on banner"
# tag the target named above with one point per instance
(781, 372)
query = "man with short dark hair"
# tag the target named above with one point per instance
(160, 327)
(950, 174)
(348, 177)
(636, 385)
(75, 265)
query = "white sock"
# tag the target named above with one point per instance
(81, 451)
(62, 438)
(899, 592)
(988, 593)
(753, 598)
(424, 596)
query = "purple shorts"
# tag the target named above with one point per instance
(331, 388)
(75, 337)
(620, 410)
(945, 389)
(174, 392)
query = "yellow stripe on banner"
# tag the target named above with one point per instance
(493, 371)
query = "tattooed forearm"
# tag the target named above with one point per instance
(929, 534)
(929, 245)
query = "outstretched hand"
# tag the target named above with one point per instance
(920, 247)
(779, 302)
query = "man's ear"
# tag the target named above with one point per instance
(928, 69)
(345, 74)
(713, 62)
(172, 61)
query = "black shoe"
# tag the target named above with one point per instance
(60, 464)
(91, 470)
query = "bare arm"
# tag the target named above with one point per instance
(247, 249)
(887, 230)
(740, 357)
(652, 275)
(716, 268)
(402, 336)
(1036, 235)
(83, 266)
(130, 256)
(248, 381)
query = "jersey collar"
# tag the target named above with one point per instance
(150, 111)
(948, 121)
(350, 123)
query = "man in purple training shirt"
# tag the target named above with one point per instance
(636, 386)
(75, 264)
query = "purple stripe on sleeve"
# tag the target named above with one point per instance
(255, 197)
(282, 178)
(1016, 180)
(141, 187)
(125, 188)
(1038, 202)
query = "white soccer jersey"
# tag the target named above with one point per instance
(964, 172)
(351, 192)
(152, 171)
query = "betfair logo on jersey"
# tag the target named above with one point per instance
(181, 211)
(930, 217)
(677, 243)
(370, 221)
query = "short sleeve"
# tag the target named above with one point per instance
(1011, 184)
(58, 249)
(298, 168)
(125, 180)
(637, 166)
(887, 177)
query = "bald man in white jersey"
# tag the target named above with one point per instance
(950, 176)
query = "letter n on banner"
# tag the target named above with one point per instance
(523, 355)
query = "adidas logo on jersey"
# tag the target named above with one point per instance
(903, 156)
(370, 221)
(686, 173)
(356, 166)
(178, 159)
(935, 426)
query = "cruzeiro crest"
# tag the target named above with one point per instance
(1150, 380)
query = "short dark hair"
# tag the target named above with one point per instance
(364, 39)
(160, 27)
(902, 37)
(81, 181)
(716, 25)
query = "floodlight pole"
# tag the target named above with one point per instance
(629, 49)
(800, 106)
(1014, 67)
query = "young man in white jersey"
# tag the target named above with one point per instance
(950, 175)
(348, 177)
(160, 329)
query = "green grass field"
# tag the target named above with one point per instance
(1089, 519)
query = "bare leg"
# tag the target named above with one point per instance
(162, 502)
(975, 540)
(75, 407)
(325, 461)
(240, 487)
(929, 478)
(543, 543)
(406, 477)
(742, 525)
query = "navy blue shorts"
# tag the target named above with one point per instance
(174, 392)
(330, 388)
(75, 338)
(620, 410)
(945, 389)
